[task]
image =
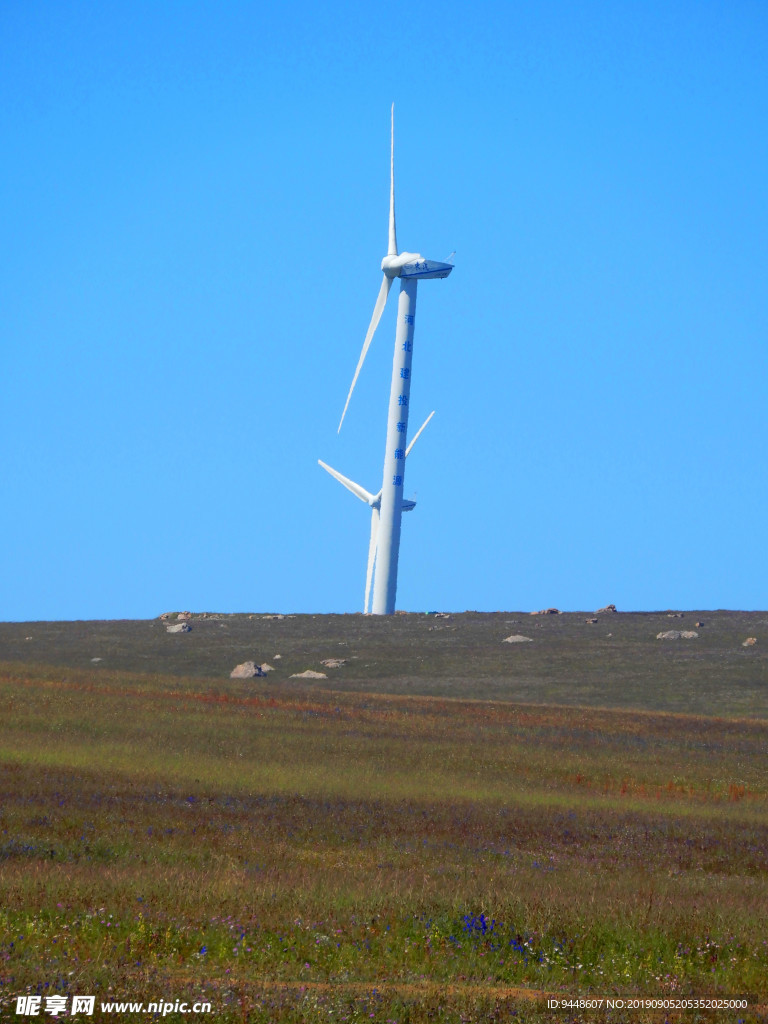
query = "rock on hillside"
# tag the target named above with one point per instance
(248, 670)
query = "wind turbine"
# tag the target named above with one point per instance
(374, 501)
(388, 505)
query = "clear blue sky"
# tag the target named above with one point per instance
(193, 199)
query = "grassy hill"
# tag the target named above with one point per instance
(615, 662)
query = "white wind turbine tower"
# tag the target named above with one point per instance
(388, 505)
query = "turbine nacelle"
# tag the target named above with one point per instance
(413, 265)
(408, 504)
(425, 270)
(373, 501)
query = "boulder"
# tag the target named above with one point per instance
(248, 670)
(266, 668)
(309, 674)
(676, 634)
(591, 621)
(179, 627)
(609, 608)
(750, 641)
(183, 616)
(334, 662)
(547, 611)
(516, 638)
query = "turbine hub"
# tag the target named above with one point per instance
(392, 265)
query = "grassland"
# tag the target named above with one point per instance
(615, 662)
(297, 852)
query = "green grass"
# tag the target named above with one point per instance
(302, 854)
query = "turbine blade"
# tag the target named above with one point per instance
(372, 548)
(357, 490)
(378, 309)
(418, 433)
(392, 250)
